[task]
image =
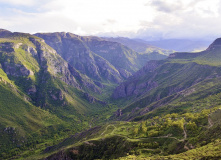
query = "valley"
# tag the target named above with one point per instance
(65, 96)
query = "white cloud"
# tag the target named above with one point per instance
(19, 2)
(143, 18)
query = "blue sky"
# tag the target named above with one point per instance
(149, 19)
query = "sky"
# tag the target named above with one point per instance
(146, 19)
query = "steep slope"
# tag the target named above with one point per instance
(122, 57)
(19, 118)
(98, 58)
(41, 94)
(78, 54)
(18, 115)
(161, 79)
(39, 71)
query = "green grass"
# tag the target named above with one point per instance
(139, 140)
(37, 120)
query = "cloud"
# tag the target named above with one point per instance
(183, 19)
(18, 2)
(140, 18)
(167, 7)
(112, 21)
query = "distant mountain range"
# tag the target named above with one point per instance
(181, 45)
(165, 46)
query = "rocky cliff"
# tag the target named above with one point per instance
(80, 56)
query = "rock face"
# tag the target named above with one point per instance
(91, 99)
(121, 57)
(41, 72)
(159, 79)
(95, 57)
(118, 113)
(79, 56)
(53, 63)
(35, 78)
(133, 86)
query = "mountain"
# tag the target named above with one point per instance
(160, 79)
(173, 113)
(40, 93)
(100, 59)
(142, 46)
(57, 100)
(181, 45)
(93, 56)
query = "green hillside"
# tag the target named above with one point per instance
(160, 80)
(42, 98)
(187, 135)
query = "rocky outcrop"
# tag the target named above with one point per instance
(118, 113)
(124, 73)
(91, 99)
(7, 47)
(32, 89)
(16, 70)
(133, 86)
(58, 156)
(50, 61)
(31, 50)
(85, 82)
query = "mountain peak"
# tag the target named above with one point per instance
(215, 44)
(4, 32)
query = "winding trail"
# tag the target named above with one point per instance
(180, 140)
(107, 128)
(184, 131)
(135, 139)
(210, 122)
